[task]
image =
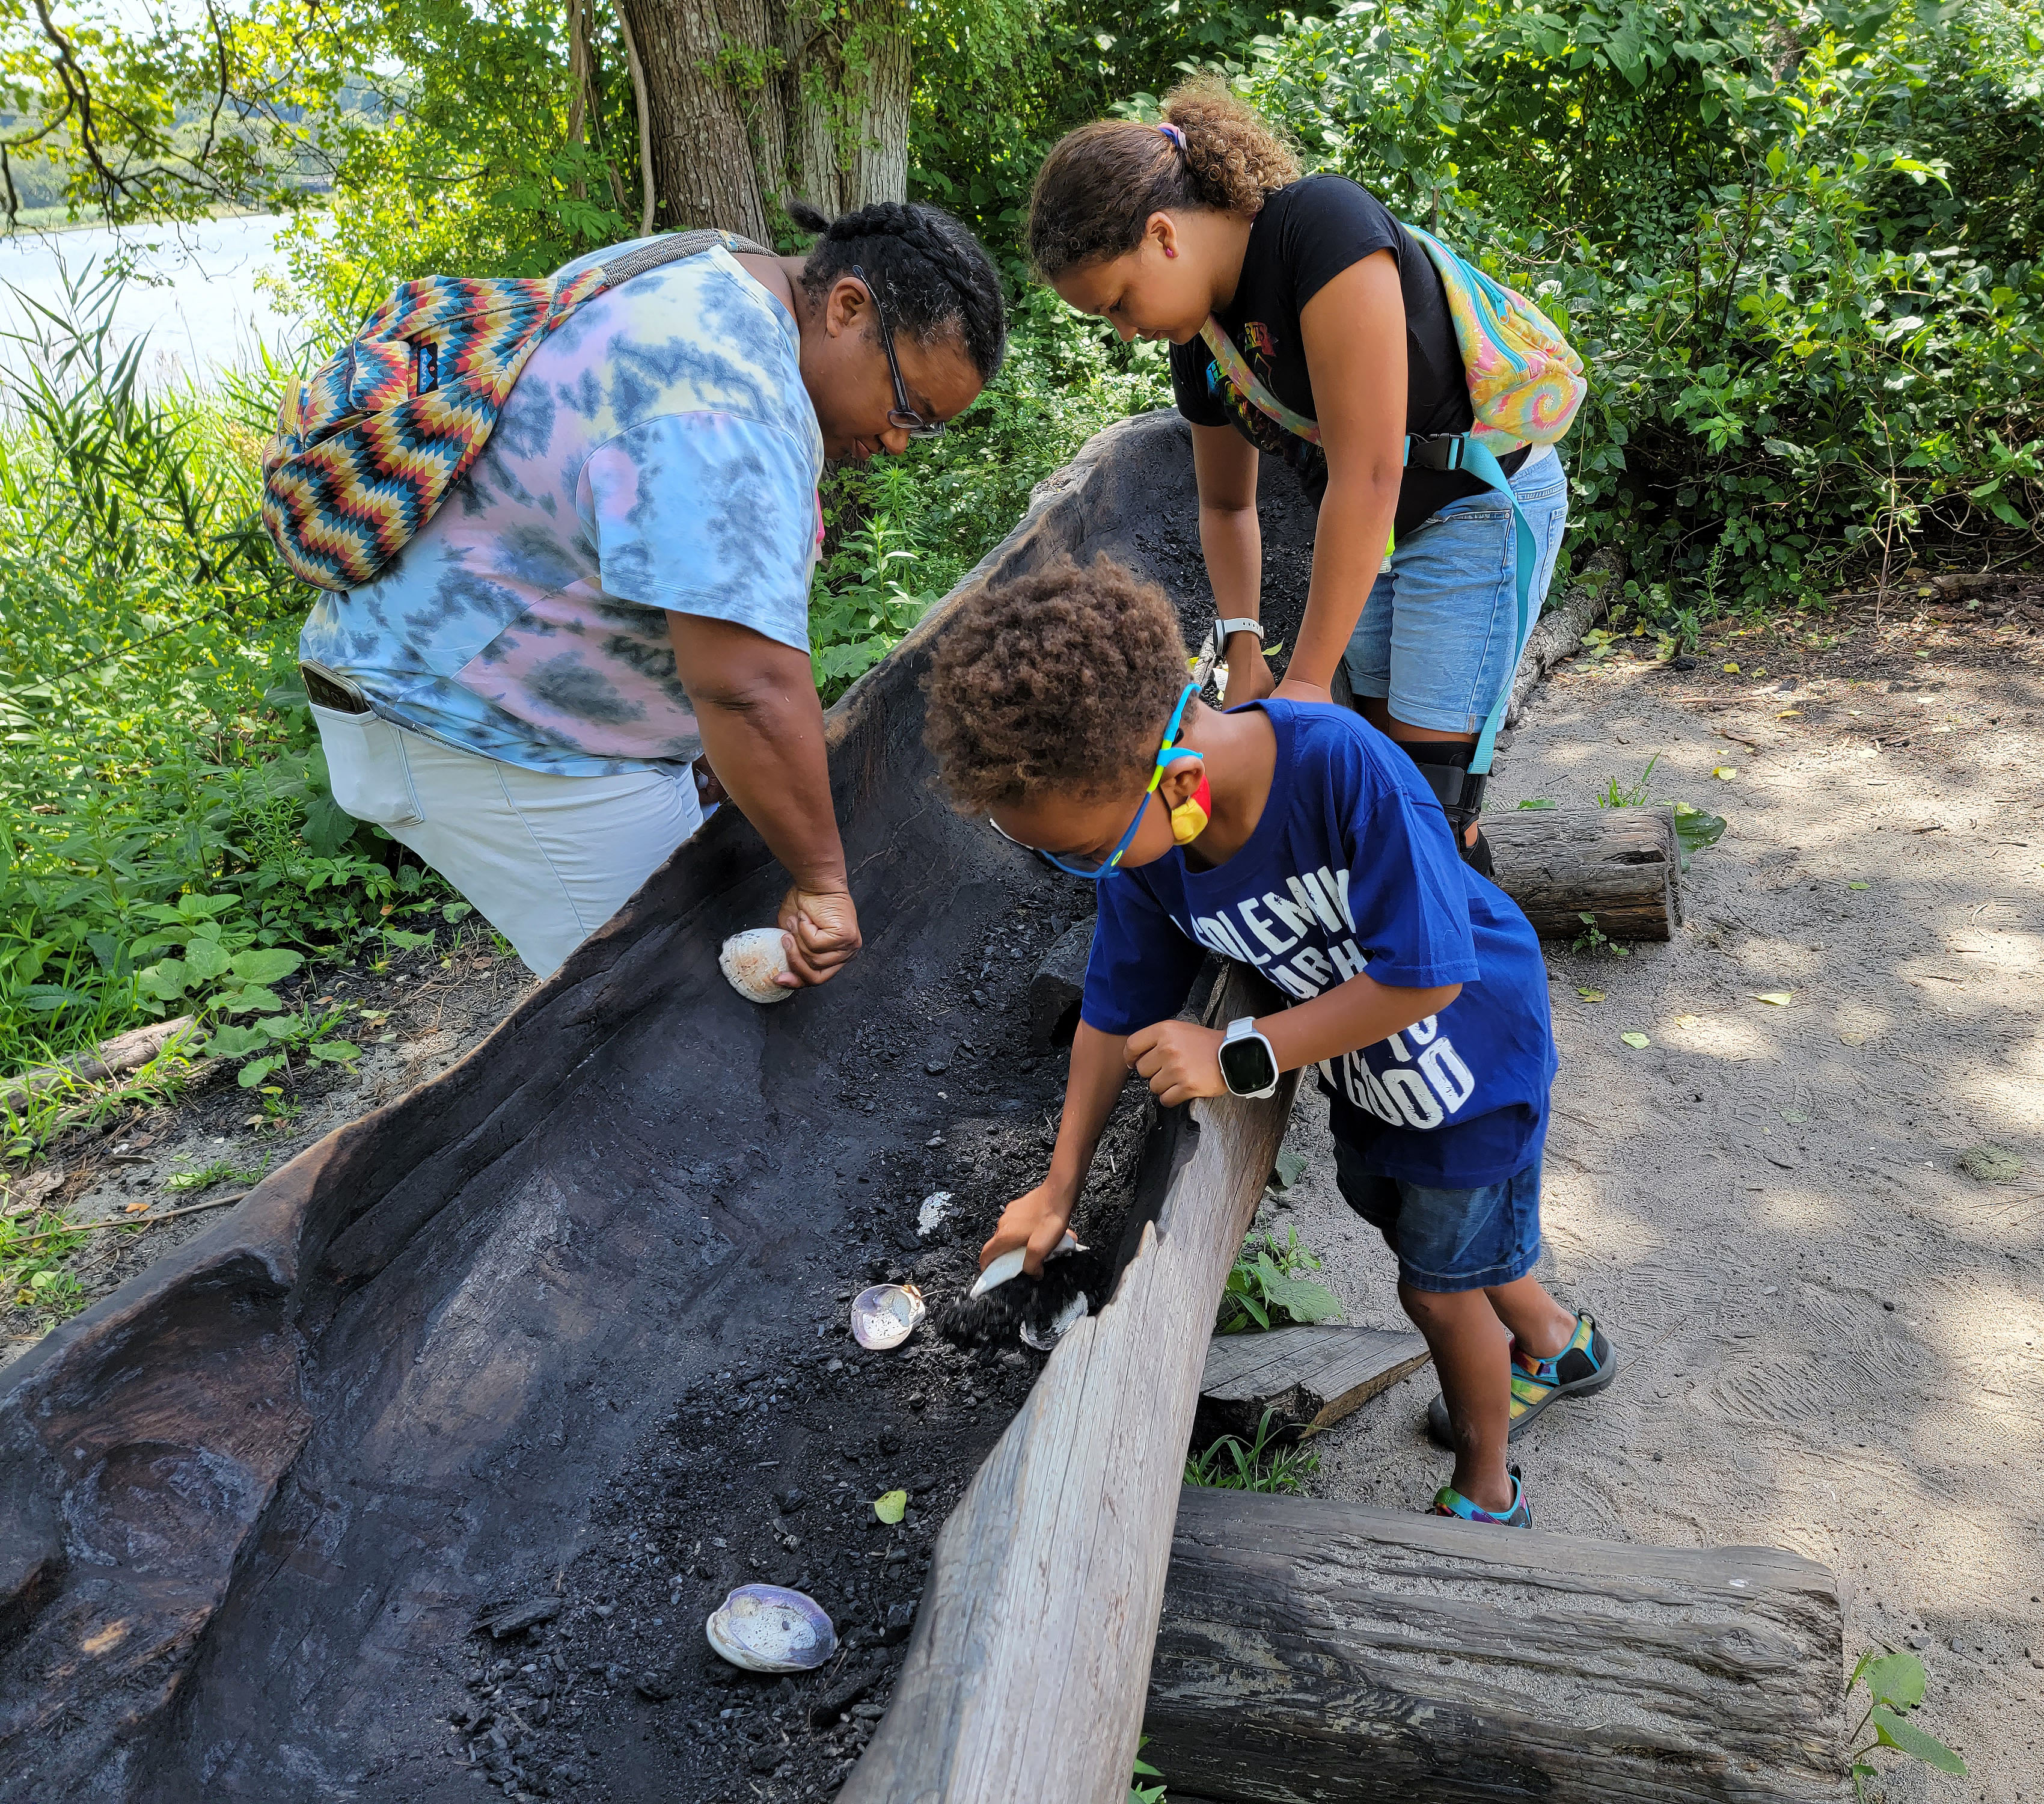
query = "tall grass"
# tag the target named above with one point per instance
(154, 743)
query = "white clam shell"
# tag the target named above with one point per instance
(1044, 1342)
(1009, 1264)
(751, 960)
(770, 1628)
(885, 1315)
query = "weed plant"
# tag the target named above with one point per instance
(1260, 1465)
(1264, 1289)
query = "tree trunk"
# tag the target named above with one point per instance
(752, 102)
(703, 169)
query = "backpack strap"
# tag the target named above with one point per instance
(671, 246)
(1466, 452)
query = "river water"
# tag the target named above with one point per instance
(195, 293)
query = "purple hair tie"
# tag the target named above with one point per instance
(1177, 137)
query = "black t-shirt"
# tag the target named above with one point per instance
(1305, 236)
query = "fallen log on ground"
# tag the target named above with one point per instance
(1307, 1378)
(1025, 1675)
(1356, 1655)
(1621, 866)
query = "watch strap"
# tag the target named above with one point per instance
(1224, 629)
(1240, 1029)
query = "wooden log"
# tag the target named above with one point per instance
(1621, 866)
(1025, 1675)
(1308, 1377)
(1348, 1654)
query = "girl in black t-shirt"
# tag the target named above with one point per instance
(1340, 315)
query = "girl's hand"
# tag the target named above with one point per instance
(1181, 1059)
(1291, 689)
(1249, 677)
(1036, 1220)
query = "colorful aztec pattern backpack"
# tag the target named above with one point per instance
(1526, 384)
(368, 447)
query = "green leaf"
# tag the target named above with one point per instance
(1894, 1731)
(1896, 1678)
(334, 1051)
(1543, 802)
(1301, 1298)
(328, 826)
(891, 1506)
(254, 1072)
(232, 1042)
(1289, 1167)
(1635, 1039)
(240, 1001)
(453, 912)
(205, 958)
(265, 967)
(166, 981)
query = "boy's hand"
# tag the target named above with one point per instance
(1181, 1059)
(1036, 1221)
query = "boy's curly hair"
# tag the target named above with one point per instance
(1058, 681)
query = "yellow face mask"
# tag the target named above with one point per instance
(1190, 818)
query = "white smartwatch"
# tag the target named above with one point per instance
(1248, 1066)
(1224, 627)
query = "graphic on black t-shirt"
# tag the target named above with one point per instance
(1259, 346)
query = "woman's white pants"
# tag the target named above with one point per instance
(545, 860)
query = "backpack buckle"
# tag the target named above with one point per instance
(1435, 450)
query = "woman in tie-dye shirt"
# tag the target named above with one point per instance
(619, 587)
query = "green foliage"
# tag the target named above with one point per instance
(901, 532)
(1614, 795)
(1798, 246)
(1261, 1465)
(170, 840)
(1895, 1684)
(1138, 1792)
(1265, 1291)
(32, 1273)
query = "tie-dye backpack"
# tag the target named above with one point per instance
(368, 446)
(1525, 385)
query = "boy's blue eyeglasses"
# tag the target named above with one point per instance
(1094, 869)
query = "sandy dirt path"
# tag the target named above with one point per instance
(1831, 1331)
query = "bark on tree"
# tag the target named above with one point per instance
(750, 101)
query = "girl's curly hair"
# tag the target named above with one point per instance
(1099, 186)
(1059, 681)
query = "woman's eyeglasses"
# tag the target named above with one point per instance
(901, 414)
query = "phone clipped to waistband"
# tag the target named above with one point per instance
(329, 689)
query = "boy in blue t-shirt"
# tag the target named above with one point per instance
(1299, 840)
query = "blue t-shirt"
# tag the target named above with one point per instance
(1353, 868)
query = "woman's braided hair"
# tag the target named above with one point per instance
(1058, 682)
(935, 276)
(1098, 187)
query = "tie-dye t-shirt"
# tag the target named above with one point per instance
(659, 452)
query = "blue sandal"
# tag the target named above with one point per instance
(1449, 1501)
(1581, 1369)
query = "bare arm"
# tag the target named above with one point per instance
(1036, 1220)
(762, 728)
(1181, 1059)
(1354, 331)
(1226, 464)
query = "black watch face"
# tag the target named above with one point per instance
(1246, 1066)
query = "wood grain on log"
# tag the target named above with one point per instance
(1621, 865)
(1025, 1675)
(1309, 1377)
(1356, 1655)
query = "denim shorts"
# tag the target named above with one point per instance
(1440, 634)
(1448, 1240)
